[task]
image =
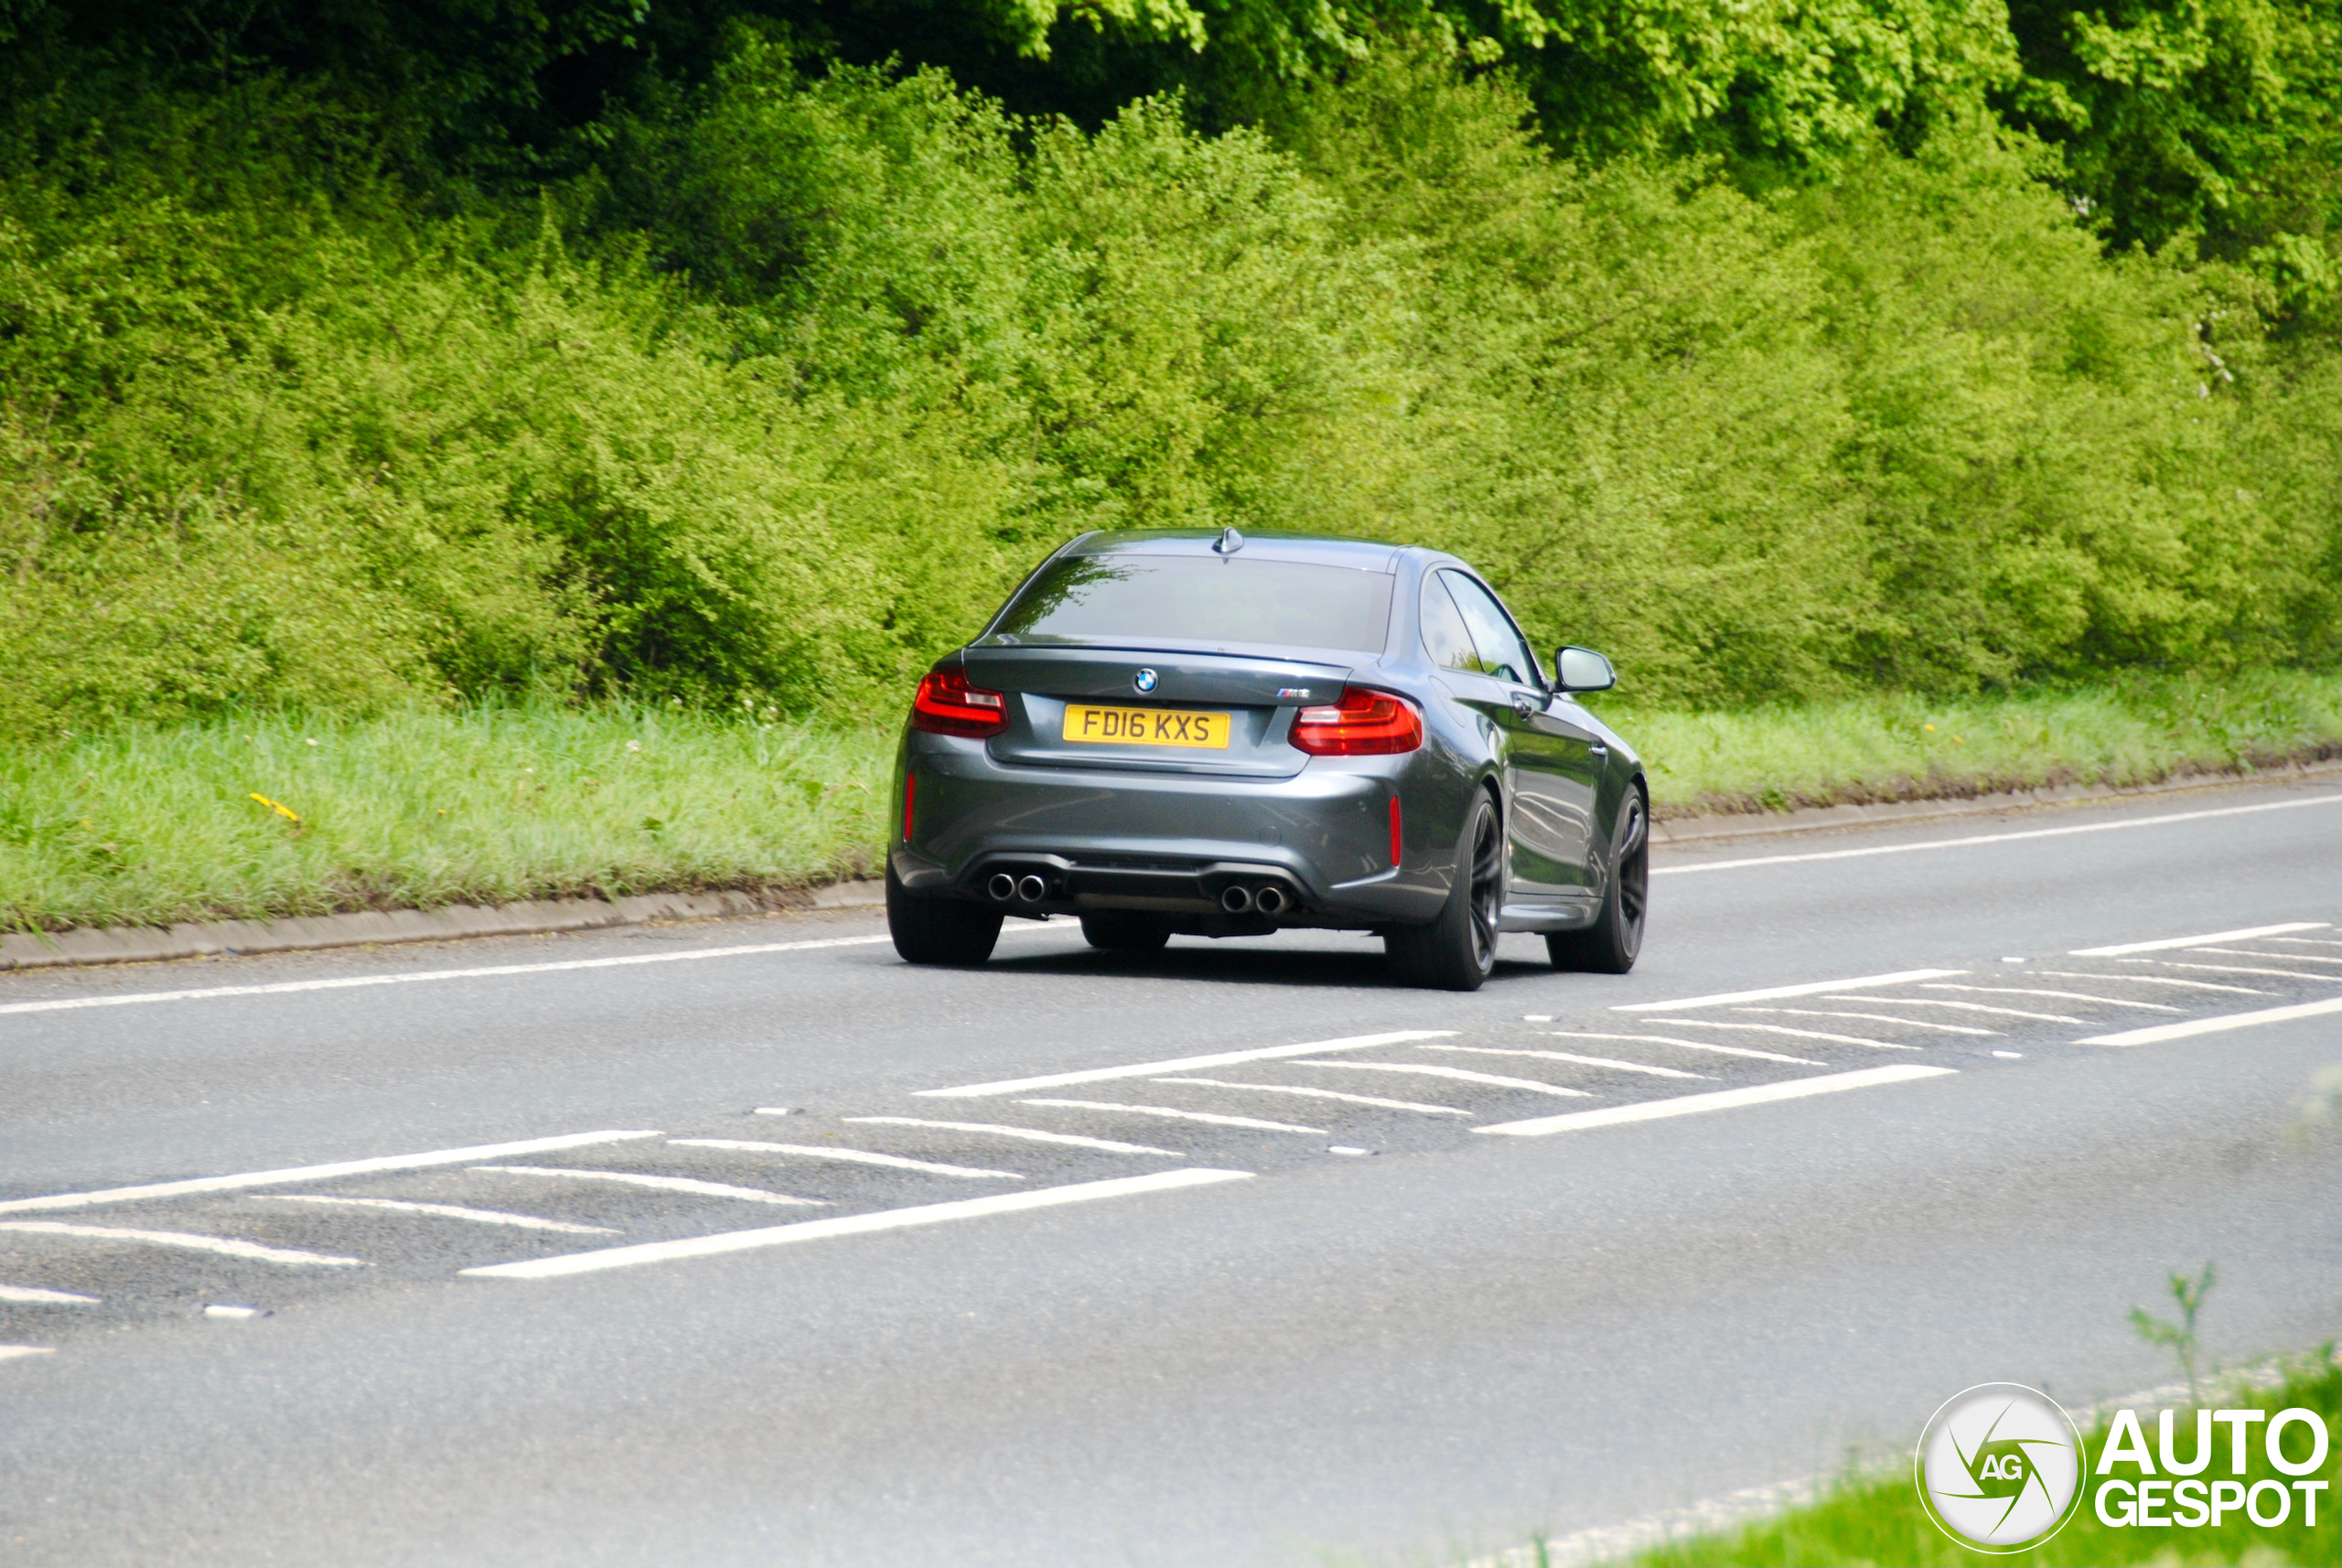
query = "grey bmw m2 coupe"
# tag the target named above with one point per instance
(1221, 736)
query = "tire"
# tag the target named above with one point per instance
(1457, 951)
(1612, 943)
(939, 930)
(1116, 930)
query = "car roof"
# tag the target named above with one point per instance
(1329, 549)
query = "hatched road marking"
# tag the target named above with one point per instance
(440, 1211)
(846, 1156)
(1184, 1064)
(51, 1297)
(660, 1183)
(1771, 993)
(1611, 1062)
(313, 1173)
(2164, 944)
(1459, 1074)
(849, 1225)
(1721, 1099)
(2158, 1033)
(1373, 1099)
(1026, 1134)
(227, 1247)
(1171, 1114)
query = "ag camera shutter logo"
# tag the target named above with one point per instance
(1999, 1468)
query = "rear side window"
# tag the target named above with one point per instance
(1446, 637)
(1190, 598)
(1502, 653)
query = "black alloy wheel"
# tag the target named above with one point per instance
(939, 930)
(1457, 951)
(1615, 940)
(1122, 930)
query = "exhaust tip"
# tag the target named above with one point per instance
(1031, 888)
(1236, 900)
(1269, 900)
(1001, 887)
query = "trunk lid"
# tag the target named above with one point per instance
(1260, 696)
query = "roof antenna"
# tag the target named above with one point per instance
(1229, 542)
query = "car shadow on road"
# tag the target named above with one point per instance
(1230, 965)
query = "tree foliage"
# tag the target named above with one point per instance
(774, 397)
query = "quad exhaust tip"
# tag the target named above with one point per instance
(1001, 887)
(1237, 899)
(1031, 888)
(1270, 900)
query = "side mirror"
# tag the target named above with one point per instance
(1582, 670)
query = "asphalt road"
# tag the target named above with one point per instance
(1147, 1312)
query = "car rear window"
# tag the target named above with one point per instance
(1282, 604)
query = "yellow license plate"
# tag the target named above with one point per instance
(1145, 727)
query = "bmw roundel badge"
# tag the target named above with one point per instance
(1144, 680)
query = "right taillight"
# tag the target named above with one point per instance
(1365, 723)
(947, 705)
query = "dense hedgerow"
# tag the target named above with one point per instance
(779, 401)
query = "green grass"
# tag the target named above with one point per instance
(2138, 730)
(1876, 1518)
(421, 808)
(424, 806)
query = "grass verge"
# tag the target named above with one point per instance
(420, 808)
(2136, 730)
(1876, 1518)
(425, 807)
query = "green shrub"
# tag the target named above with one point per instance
(780, 399)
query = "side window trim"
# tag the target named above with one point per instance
(1535, 677)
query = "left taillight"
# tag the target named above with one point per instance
(947, 705)
(1365, 723)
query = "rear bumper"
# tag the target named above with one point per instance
(1166, 844)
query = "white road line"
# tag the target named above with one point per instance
(1794, 1034)
(313, 1173)
(851, 1225)
(10, 1352)
(1175, 1115)
(1960, 1007)
(1873, 1018)
(1720, 1100)
(2152, 980)
(442, 1212)
(1709, 1047)
(1186, 1064)
(1611, 1062)
(659, 1182)
(1458, 1074)
(2065, 995)
(1028, 1134)
(352, 981)
(225, 1246)
(1995, 838)
(1373, 1099)
(848, 1157)
(54, 1297)
(2229, 969)
(2163, 944)
(1773, 993)
(2307, 941)
(345, 983)
(2280, 957)
(2218, 1025)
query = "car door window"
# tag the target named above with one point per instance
(1446, 637)
(1503, 652)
